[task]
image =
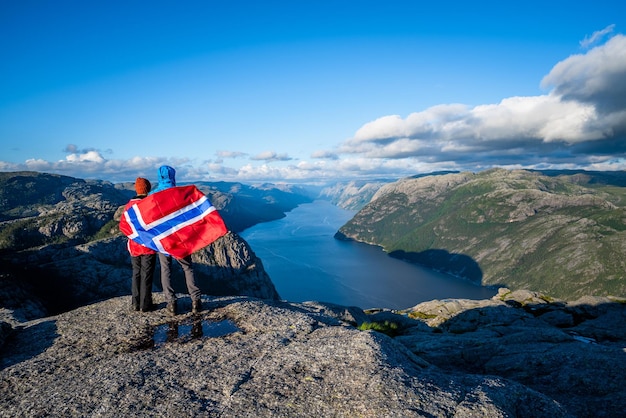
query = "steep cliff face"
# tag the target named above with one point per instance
(564, 236)
(229, 266)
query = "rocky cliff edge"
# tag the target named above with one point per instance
(516, 355)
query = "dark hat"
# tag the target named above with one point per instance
(142, 186)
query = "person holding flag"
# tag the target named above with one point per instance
(167, 179)
(174, 221)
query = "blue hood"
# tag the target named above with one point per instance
(166, 176)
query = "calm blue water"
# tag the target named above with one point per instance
(306, 263)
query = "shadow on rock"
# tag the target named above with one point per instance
(441, 260)
(24, 343)
(572, 352)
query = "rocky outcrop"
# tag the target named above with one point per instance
(241, 357)
(519, 354)
(230, 267)
(573, 352)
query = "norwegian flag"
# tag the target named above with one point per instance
(176, 221)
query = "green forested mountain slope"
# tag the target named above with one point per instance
(564, 235)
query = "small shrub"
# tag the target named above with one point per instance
(389, 328)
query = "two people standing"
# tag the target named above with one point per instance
(143, 259)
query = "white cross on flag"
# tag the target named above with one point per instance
(176, 221)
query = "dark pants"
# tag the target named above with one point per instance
(166, 277)
(143, 272)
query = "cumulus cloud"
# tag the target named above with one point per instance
(326, 155)
(270, 156)
(90, 156)
(582, 119)
(595, 78)
(91, 164)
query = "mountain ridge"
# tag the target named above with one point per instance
(562, 235)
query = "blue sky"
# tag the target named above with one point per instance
(310, 90)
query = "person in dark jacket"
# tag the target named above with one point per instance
(167, 179)
(143, 259)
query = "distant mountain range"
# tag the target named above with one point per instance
(562, 233)
(351, 195)
(39, 208)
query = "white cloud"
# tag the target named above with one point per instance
(327, 155)
(383, 128)
(462, 129)
(92, 165)
(90, 156)
(596, 36)
(230, 154)
(269, 156)
(583, 117)
(596, 78)
(538, 118)
(580, 123)
(36, 165)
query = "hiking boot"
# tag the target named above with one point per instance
(196, 306)
(148, 308)
(171, 307)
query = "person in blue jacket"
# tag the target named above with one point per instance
(167, 179)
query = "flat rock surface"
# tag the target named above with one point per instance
(240, 357)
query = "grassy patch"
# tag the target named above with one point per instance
(387, 327)
(421, 315)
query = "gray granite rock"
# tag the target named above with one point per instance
(241, 357)
(573, 352)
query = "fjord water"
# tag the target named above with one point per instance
(306, 263)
